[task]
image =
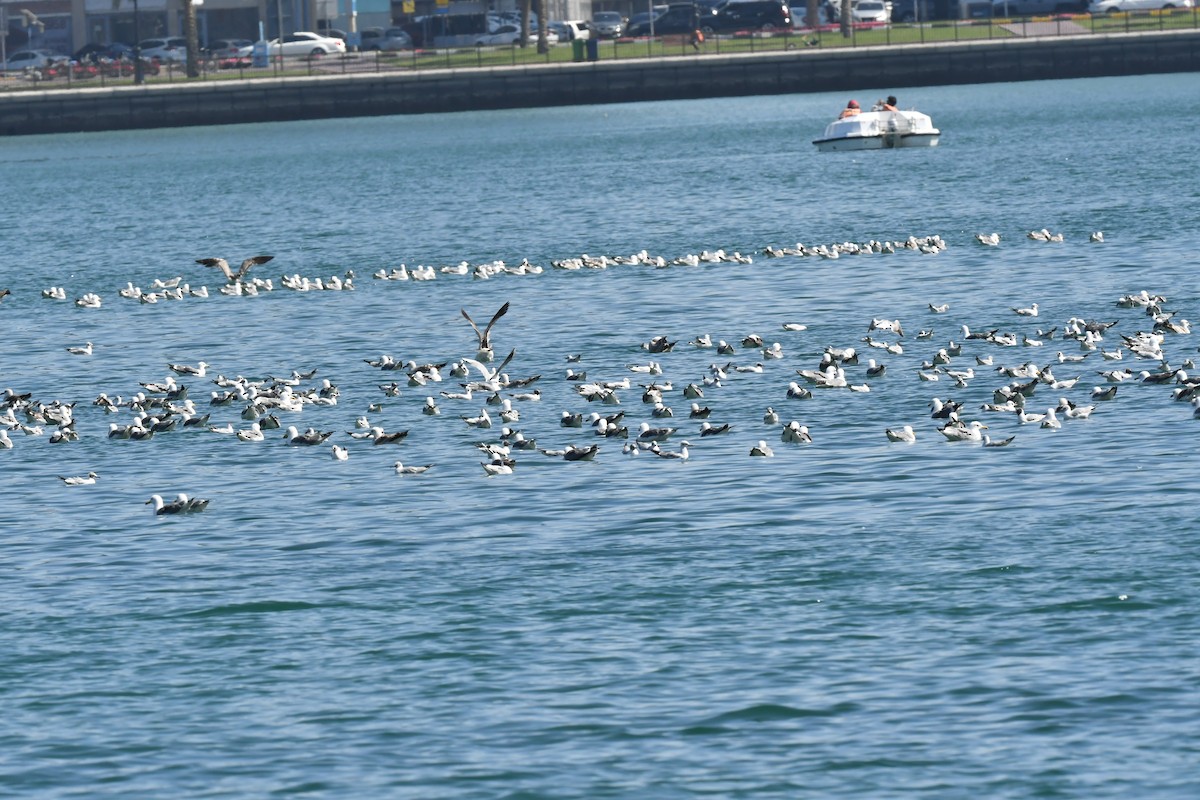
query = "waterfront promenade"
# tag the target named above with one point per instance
(189, 103)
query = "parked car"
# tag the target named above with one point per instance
(306, 43)
(1116, 6)
(644, 17)
(569, 30)
(369, 38)
(678, 18)
(608, 24)
(748, 15)
(912, 10)
(1029, 8)
(172, 48)
(94, 52)
(230, 48)
(32, 59)
(395, 39)
(511, 34)
(497, 20)
(870, 11)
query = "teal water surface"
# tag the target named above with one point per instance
(852, 618)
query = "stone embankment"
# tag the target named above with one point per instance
(800, 70)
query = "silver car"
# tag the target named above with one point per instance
(173, 48)
(395, 39)
(30, 59)
(608, 24)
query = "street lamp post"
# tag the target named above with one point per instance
(138, 76)
(279, 20)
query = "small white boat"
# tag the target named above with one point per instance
(879, 130)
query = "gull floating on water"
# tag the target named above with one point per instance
(795, 433)
(680, 455)
(85, 350)
(182, 504)
(958, 431)
(309, 437)
(83, 480)
(762, 449)
(905, 434)
(497, 467)
(198, 371)
(401, 469)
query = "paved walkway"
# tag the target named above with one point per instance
(1054, 27)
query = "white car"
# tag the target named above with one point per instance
(569, 29)
(511, 34)
(306, 43)
(870, 11)
(31, 59)
(1117, 6)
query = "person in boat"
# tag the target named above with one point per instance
(850, 110)
(889, 104)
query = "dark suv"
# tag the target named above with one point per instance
(678, 18)
(1027, 8)
(749, 15)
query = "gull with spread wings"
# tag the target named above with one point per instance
(485, 353)
(230, 275)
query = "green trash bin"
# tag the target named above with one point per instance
(577, 49)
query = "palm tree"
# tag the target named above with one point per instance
(193, 39)
(543, 46)
(845, 19)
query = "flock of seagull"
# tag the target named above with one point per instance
(160, 407)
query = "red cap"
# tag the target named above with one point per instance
(852, 104)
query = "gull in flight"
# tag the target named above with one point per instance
(230, 275)
(485, 336)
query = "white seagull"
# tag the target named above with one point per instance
(762, 449)
(905, 434)
(82, 480)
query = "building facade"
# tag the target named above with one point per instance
(67, 25)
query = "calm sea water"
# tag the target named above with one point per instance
(851, 618)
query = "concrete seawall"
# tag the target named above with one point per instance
(802, 70)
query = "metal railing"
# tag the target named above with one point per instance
(827, 37)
